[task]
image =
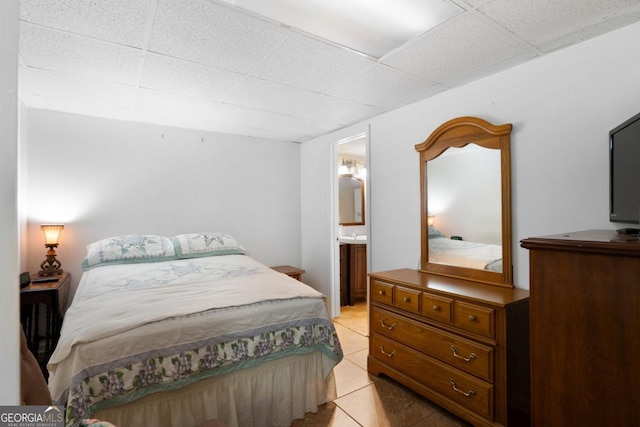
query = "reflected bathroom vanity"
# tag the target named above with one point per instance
(456, 331)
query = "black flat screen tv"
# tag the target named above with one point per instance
(624, 172)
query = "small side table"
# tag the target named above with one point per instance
(294, 272)
(53, 294)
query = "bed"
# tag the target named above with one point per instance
(176, 331)
(465, 254)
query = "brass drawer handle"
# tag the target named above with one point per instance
(436, 307)
(393, 353)
(383, 293)
(406, 299)
(466, 359)
(455, 387)
(472, 318)
(389, 327)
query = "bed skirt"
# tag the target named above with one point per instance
(268, 395)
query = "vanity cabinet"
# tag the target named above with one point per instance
(353, 273)
(461, 344)
(585, 312)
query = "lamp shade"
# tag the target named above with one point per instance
(51, 233)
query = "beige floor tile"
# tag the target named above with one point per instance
(359, 358)
(328, 415)
(351, 341)
(350, 377)
(355, 318)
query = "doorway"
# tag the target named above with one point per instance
(351, 223)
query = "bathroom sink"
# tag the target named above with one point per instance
(353, 239)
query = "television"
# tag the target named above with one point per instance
(624, 172)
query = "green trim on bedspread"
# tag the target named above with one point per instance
(128, 380)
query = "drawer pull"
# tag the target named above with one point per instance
(406, 299)
(436, 307)
(455, 387)
(466, 359)
(389, 327)
(383, 293)
(393, 353)
(472, 318)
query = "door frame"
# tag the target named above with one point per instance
(335, 221)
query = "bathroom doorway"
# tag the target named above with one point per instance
(352, 238)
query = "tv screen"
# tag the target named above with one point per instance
(624, 169)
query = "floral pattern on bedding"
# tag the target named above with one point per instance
(180, 366)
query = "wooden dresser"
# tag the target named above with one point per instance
(585, 338)
(461, 344)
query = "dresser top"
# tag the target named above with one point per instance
(453, 287)
(608, 241)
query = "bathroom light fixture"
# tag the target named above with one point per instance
(430, 219)
(51, 266)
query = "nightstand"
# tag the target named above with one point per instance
(53, 294)
(294, 272)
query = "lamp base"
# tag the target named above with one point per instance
(50, 266)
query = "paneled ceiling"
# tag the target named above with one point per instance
(211, 65)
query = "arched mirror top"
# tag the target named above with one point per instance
(476, 217)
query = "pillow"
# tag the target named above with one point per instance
(127, 249)
(206, 244)
(434, 232)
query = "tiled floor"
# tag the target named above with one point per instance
(368, 401)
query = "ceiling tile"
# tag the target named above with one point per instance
(80, 89)
(456, 48)
(592, 31)
(307, 127)
(119, 21)
(171, 104)
(84, 109)
(311, 64)
(334, 110)
(242, 116)
(380, 86)
(541, 21)
(212, 34)
(66, 53)
(264, 95)
(167, 74)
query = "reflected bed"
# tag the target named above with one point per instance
(465, 254)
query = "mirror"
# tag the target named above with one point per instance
(465, 186)
(351, 200)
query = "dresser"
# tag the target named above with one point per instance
(461, 344)
(585, 341)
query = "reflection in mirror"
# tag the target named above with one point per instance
(351, 200)
(464, 203)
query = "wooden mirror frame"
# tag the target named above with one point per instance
(458, 133)
(348, 175)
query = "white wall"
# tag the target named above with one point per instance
(102, 178)
(562, 107)
(9, 235)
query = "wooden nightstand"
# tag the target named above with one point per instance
(53, 295)
(294, 272)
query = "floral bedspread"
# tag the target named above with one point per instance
(90, 373)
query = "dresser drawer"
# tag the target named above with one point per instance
(473, 358)
(407, 299)
(437, 308)
(381, 292)
(474, 318)
(464, 389)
